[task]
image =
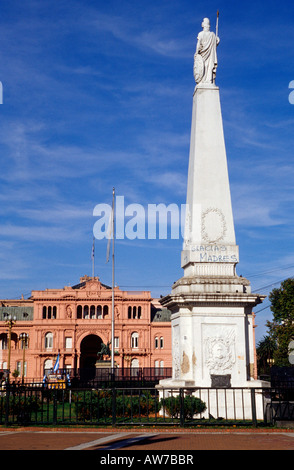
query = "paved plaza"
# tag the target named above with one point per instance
(161, 440)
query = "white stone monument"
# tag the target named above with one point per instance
(213, 341)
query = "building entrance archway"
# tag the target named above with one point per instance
(89, 348)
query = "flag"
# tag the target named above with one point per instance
(56, 365)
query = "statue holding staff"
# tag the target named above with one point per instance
(205, 58)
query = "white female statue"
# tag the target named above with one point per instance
(205, 58)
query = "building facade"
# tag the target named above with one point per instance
(73, 322)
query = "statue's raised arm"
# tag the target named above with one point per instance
(205, 58)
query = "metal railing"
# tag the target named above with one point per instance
(38, 405)
(126, 376)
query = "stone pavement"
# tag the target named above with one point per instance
(159, 440)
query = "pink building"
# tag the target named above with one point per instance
(74, 321)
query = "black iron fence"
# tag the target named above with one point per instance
(123, 377)
(282, 376)
(36, 404)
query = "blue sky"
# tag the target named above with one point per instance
(99, 94)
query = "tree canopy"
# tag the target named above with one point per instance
(281, 329)
(265, 353)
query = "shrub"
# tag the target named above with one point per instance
(19, 406)
(99, 404)
(137, 404)
(192, 406)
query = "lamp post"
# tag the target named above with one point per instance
(10, 323)
(24, 340)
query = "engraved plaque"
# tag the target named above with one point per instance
(220, 381)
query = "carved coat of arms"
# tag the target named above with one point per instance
(220, 352)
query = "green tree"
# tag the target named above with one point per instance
(281, 329)
(265, 353)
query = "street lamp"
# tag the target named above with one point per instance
(24, 341)
(10, 323)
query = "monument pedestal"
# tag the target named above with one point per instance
(101, 364)
(213, 350)
(103, 369)
(212, 339)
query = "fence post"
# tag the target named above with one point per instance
(54, 406)
(7, 403)
(253, 407)
(113, 406)
(182, 404)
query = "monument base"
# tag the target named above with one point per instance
(222, 403)
(213, 339)
(104, 370)
(176, 384)
(246, 403)
(103, 364)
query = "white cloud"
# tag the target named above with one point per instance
(161, 42)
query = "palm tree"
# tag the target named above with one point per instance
(265, 352)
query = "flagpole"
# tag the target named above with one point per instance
(112, 317)
(93, 258)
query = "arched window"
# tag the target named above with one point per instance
(134, 312)
(159, 365)
(48, 365)
(105, 311)
(156, 342)
(92, 312)
(3, 341)
(79, 312)
(135, 363)
(49, 312)
(129, 313)
(23, 340)
(139, 312)
(134, 340)
(99, 312)
(86, 312)
(135, 367)
(49, 340)
(161, 342)
(14, 341)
